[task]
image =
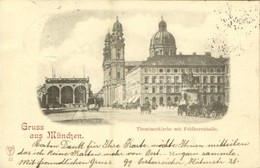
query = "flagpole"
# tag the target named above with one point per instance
(83, 71)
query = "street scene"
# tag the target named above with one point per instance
(108, 116)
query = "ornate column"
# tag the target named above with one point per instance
(87, 94)
(59, 95)
(73, 95)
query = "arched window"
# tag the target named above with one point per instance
(212, 99)
(185, 96)
(219, 98)
(204, 100)
(161, 101)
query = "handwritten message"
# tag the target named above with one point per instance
(132, 152)
(52, 148)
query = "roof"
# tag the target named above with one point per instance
(224, 60)
(66, 80)
(133, 63)
(163, 38)
(179, 60)
(133, 69)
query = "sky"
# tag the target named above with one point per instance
(73, 39)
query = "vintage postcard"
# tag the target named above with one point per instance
(136, 84)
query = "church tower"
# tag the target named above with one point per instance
(113, 62)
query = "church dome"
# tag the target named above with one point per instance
(162, 42)
(162, 38)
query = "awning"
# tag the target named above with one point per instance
(125, 100)
(135, 99)
(130, 100)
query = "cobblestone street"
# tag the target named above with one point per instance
(115, 116)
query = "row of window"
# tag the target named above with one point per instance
(212, 79)
(183, 70)
(163, 52)
(204, 99)
(213, 89)
(160, 89)
(177, 79)
(176, 89)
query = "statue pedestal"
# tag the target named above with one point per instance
(190, 95)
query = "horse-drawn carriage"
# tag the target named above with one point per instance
(191, 106)
(146, 108)
(216, 109)
(190, 109)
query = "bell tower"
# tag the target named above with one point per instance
(113, 62)
(117, 53)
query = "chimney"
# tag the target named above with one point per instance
(208, 54)
(194, 53)
(180, 53)
(221, 56)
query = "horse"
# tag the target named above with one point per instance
(194, 110)
(182, 108)
(208, 112)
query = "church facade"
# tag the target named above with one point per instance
(113, 63)
(160, 78)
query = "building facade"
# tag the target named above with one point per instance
(162, 77)
(227, 79)
(133, 85)
(119, 93)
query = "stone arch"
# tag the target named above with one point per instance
(161, 101)
(169, 100)
(205, 100)
(67, 94)
(53, 93)
(154, 99)
(185, 96)
(176, 99)
(80, 94)
(212, 99)
(219, 98)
